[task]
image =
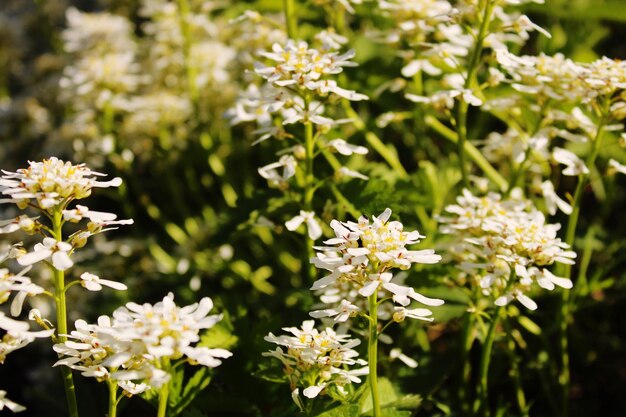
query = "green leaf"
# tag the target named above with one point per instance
(199, 381)
(219, 336)
(408, 402)
(348, 410)
(386, 393)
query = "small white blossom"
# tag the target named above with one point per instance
(11, 405)
(94, 283)
(308, 217)
(59, 252)
(574, 165)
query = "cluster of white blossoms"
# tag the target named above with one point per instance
(138, 344)
(134, 93)
(359, 259)
(317, 361)
(559, 78)
(298, 83)
(50, 187)
(441, 35)
(505, 246)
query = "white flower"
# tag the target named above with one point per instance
(11, 405)
(49, 248)
(23, 222)
(343, 171)
(316, 361)
(553, 200)
(132, 345)
(51, 183)
(271, 172)
(617, 166)
(574, 165)
(342, 313)
(396, 353)
(498, 241)
(345, 148)
(313, 227)
(93, 283)
(17, 335)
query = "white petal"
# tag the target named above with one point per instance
(526, 302)
(61, 260)
(369, 288)
(34, 257)
(312, 392)
(294, 223)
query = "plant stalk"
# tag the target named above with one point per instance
(163, 397)
(372, 350)
(61, 310)
(566, 270)
(290, 18)
(462, 106)
(112, 398)
(481, 407)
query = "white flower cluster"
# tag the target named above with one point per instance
(317, 361)
(445, 34)
(298, 83)
(50, 186)
(359, 259)
(129, 93)
(17, 335)
(506, 246)
(136, 346)
(559, 78)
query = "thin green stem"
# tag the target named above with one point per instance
(462, 106)
(163, 397)
(372, 350)
(61, 310)
(566, 270)
(112, 398)
(190, 71)
(309, 192)
(466, 345)
(514, 371)
(291, 21)
(481, 407)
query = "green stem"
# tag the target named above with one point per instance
(471, 151)
(61, 310)
(466, 345)
(462, 106)
(163, 397)
(372, 350)
(566, 270)
(481, 407)
(309, 179)
(309, 192)
(514, 372)
(112, 398)
(190, 71)
(291, 21)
